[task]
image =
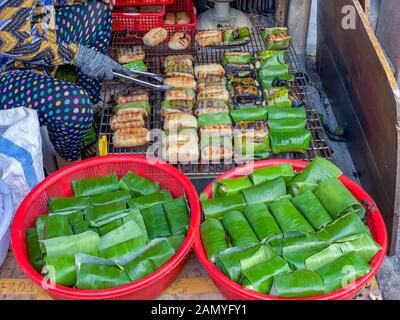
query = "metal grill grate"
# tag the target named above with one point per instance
(154, 59)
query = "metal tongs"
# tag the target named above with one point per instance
(158, 77)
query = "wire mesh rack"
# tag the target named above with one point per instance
(154, 60)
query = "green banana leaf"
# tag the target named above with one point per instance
(232, 261)
(318, 170)
(239, 230)
(176, 241)
(280, 44)
(127, 231)
(298, 284)
(252, 150)
(94, 186)
(110, 197)
(57, 226)
(134, 105)
(297, 188)
(260, 277)
(177, 215)
(242, 58)
(102, 214)
(33, 248)
(236, 36)
(213, 237)
(268, 82)
(287, 124)
(279, 100)
(286, 113)
(77, 222)
(59, 204)
(261, 221)
(106, 228)
(337, 199)
(229, 187)
(348, 225)
(150, 200)
(297, 254)
(213, 118)
(289, 218)
(249, 114)
(284, 171)
(343, 271)
(95, 273)
(136, 216)
(137, 185)
(137, 65)
(148, 259)
(310, 207)
(270, 58)
(85, 242)
(217, 207)
(287, 240)
(40, 225)
(123, 248)
(60, 270)
(156, 221)
(265, 192)
(273, 71)
(290, 140)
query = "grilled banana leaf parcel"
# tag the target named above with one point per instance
(267, 75)
(265, 192)
(284, 171)
(60, 270)
(236, 57)
(260, 277)
(129, 230)
(286, 124)
(148, 259)
(137, 185)
(110, 197)
(236, 36)
(232, 262)
(286, 113)
(156, 221)
(239, 229)
(337, 199)
(276, 38)
(218, 207)
(290, 140)
(94, 186)
(297, 254)
(171, 106)
(177, 215)
(270, 58)
(137, 65)
(278, 99)
(95, 273)
(213, 237)
(312, 209)
(56, 226)
(33, 248)
(261, 221)
(214, 118)
(143, 107)
(123, 248)
(318, 170)
(230, 186)
(343, 271)
(103, 214)
(85, 242)
(149, 200)
(289, 218)
(348, 225)
(298, 284)
(249, 114)
(61, 204)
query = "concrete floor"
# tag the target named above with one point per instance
(389, 275)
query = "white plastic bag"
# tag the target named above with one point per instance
(21, 160)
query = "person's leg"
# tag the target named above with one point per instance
(63, 107)
(88, 24)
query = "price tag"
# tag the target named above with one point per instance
(103, 150)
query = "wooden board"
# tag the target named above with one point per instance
(192, 284)
(365, 98)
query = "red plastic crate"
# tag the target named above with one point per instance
(140, 22)
(121, 3)
(182, 5)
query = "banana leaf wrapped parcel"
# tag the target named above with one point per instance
(238, 229)
(177, 215)
(95, 186)
(149, 200)
(284, 171)
(137, 185)
(290, 140)
(267, 191)
(156, 221)
(33, 248)
(230, 186)
(213, 237)
(261, 221)
(218, 207)
(276, 38)
(109, 198)
(63, 204)
(60, 270)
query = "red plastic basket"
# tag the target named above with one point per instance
(189, 8)
(123, 3)
(232, 290)
(59, 184)
(138, 22)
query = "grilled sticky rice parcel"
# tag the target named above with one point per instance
(211, 80)
(181, 152)
(182, 81)
(178, 136)
(138, 95)
(201, 71)
(173, 106)
(142, 107)
(216, 130)
(216, 149)
(210, 106)
(246, 90)
(179, 41)
(180, 94)
(174, 70)
(127, 121)
(129, 54)
(255, 131)
(214, 92)
(179, 120)
(209, 38)
(179, 60)
(125, 140)
(244, 81)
